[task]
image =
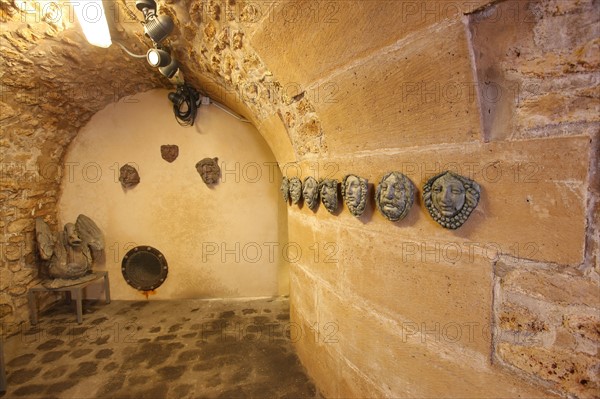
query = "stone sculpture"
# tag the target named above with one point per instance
(354, 191)
(310, 192)
(394, 196)
(128, 176)
(285, 189)
(69, 252)
(295, 189)
(450, 198)
(209, 170)
(329, 194)
(169, 152)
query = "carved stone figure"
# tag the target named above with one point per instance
(128, 176)
(295, 189)
(354, 191)
(209, 170)
(310, 192)
(394, 196)
(169, 152)
(450, 198)
(69, 252)
(285, 188)
(329, 194)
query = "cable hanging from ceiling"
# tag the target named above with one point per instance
(186, 98)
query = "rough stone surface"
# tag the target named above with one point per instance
(537, 64)
(210, 39)
(547, 324)
(52, 81)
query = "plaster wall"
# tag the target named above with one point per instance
(215, 239)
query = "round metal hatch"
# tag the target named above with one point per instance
(144, 268)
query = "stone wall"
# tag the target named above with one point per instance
(503, 92)
(52, 83)
(546, 313)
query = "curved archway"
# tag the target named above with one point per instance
(218, 238)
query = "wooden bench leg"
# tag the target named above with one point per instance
(79, 305)
(106, 288)
(32, 308)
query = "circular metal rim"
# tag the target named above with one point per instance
(164, 268)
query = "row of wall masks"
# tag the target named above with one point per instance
(449, 198)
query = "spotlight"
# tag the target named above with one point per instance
(169, 70)
(146, 6)
(156, 27)
(158, 58)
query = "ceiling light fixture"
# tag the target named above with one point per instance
(169, 70)
(158, 58)
(156, 27)
(92, 19)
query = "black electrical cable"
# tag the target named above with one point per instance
(185, 104)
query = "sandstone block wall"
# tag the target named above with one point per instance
(504, 92)
(500, 93)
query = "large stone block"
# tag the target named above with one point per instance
(532, 61)
(424, 286)
(316, 247)
(420, 92)
(321, 362)
(354, 384)
(575, 373)
(316, 39)
(303, 294)
(406, 366)
(533, 196)
(553, 286)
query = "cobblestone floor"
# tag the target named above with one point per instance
(159, 349)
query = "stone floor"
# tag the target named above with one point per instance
(159, 349)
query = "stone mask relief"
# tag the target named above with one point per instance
(285, 188)
(354, 191)
(329, 194)
(310, 192)
(209, 170)
(295, 189)
(128, 176)
(394, 196)
(169, 152)
(450, 198)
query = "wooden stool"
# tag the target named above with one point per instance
(75, 291)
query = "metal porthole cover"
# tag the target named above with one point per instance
(144, 268)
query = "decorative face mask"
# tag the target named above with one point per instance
(169, 152)
(285, 189)
(394, 196)
(450, 198)
(128, 176)
(310, 192)
(354, 191)
(329, 194)
(209, 170)
(295, 189)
